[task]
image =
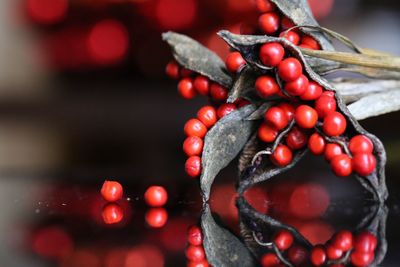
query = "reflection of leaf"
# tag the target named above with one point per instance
(223, 143)
(221, 246)
(194, 56)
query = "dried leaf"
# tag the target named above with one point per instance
(221, 246)
(194, 56)
(259, 113)
(223, 143)
(243, 84)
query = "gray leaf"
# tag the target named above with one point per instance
(243, 84)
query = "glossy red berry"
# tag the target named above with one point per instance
(361, 259)
(333, 253)
(365, 242)
(208, 116)
(341, 165)
(276, 117)
(194, 235)
(306, 117)
(343, 240)
(270, 260)
(290, 69)
(195, 253)
(298, 86)
(286, 23)
(112, 213)
(332, 150)
(267, 133)
(112, 191)
(283, 240)
(241, 102)
(364, 163)
(296, 139)
(328, 93)
(202, 85)
(318, 256)
(310, 41)
(225, 109)
(234, 62)
(186, 73)
(334, 124)
(172, 69)
(156, 196)
(271, 54)
(269, 22)
(195, 127)
(203, 263)
(305, 46)
(218, 92)
(313, 91)
(325, 105)
(288, 109)
(193, 146)
(316, 144)
(361, 144)
(291, 36)
(297, 255)
(265, 6)
(193, 166)
(266, 86)
(156, 217)
(186, 88)
(282, 156)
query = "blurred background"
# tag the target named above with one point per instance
(84, 97)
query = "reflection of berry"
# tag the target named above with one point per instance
(156, 217)
(194, 235)
(112, 213)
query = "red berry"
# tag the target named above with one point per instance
(207, 115)
(241, 102)
(271, 54)
(316, 144)
(325, 105)
(234, 62)
(332, 150)
(288, 109)
(361, 259)
(306, 117)
(328, 93)
(193, 146)
(334, 124)
(276, 117)
(193, 166)
(203, 263)
(313, 91)
(364, 163)
(186, 73)
(186, 88)
(172, 70)
(318, 256)
(225, 109)
(266, 86)
(156, 196)
(112, 191)
(194, 127)
(269, 22)
(195, 237)
(361, 144)
(290, 69)
(265, 6)
(218, 92)
(267, 133)
(305, 46)
(343, 240)
(195, 253)
(365, 242)
(112, 213)
(282, 156)
(296, 139)
(298, 86)
(156, 217)
(202, 85)
(310, 41)
(286, 23)
(333, 253)
(283, 240)
(297, 255)
(270, 260)
(341, 165)
(291, 36)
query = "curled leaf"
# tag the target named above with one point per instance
(242, 85)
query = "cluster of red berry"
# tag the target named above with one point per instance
(361, 249)
(194, 251)
(318, 111)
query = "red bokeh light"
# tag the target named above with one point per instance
(47, 11)
(321, 9)
(175, 14)
(144, 256)
(52, 243)
(82, 258)
(173, 235)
